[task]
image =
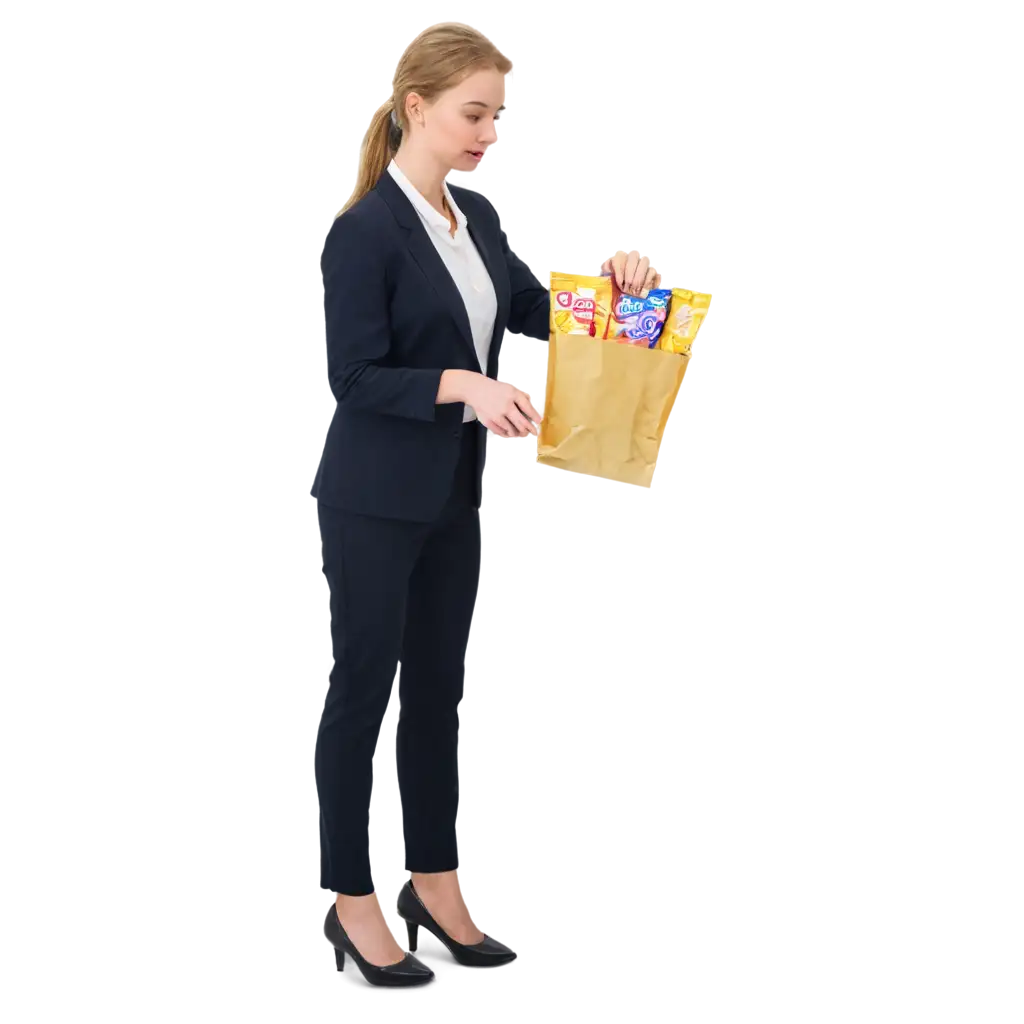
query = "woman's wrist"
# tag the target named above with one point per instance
(456, 386)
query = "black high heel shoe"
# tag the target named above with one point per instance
(487, 953)
(408, 971)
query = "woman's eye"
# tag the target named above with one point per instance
(476, 117)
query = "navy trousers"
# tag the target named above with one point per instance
(401, 591)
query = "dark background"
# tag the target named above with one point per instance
(671, 680)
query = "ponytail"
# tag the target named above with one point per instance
(372, 158)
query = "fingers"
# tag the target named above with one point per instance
(639, 274)
(521, 423)
(524, 403)
(515, 420)
(519, 411)
(625, 263)
(510, 413)
(495, 427)
(633, 273)
(652, 279)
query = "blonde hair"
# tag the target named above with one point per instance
(438, 59)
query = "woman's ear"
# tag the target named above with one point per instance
(414, 108)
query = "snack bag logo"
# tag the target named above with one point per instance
(683, 319)
(629, 307)
(583, 309)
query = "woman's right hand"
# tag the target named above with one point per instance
(501, 408)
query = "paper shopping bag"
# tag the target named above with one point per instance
(606, 406)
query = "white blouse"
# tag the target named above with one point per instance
(463, 261)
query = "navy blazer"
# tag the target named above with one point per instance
(395, 321)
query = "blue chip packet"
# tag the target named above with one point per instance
(636, 321)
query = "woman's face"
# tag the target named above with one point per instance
(461, 121)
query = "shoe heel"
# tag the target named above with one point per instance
(410, 936)
(339, 958)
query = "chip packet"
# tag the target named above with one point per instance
(638, 321)
(580, 304)
(685, 315)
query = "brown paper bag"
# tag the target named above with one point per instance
(606, 406)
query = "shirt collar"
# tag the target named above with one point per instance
(434, 218)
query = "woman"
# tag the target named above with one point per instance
(419, 287)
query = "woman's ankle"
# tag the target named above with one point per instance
(434, 879)
(356, 906)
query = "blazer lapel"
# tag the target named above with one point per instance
(427, 256)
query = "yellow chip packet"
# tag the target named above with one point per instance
(580, 304)
(685, 315)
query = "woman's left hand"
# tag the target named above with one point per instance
(633, 272)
